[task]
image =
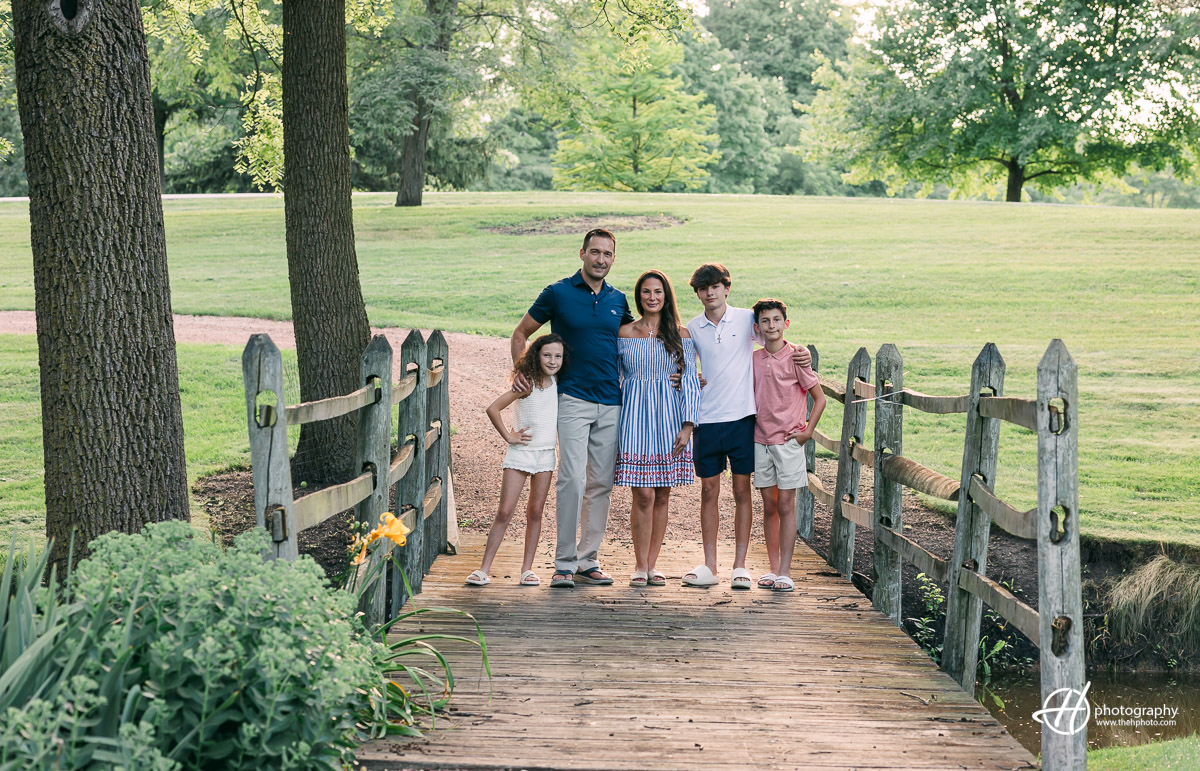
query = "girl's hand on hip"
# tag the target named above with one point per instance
(520, 436)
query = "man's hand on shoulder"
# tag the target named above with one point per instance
(521, 384)
(801, 356)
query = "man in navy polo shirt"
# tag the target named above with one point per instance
(587, 312)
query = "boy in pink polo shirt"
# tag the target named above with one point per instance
(780, 433)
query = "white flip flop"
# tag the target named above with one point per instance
(478, 578)
(702, 577)
(529, 578)
(740, 579)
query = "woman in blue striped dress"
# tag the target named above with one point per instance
(656, 418)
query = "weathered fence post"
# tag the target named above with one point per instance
(374, 454)
(805, 502)
(889, 438)
(262, 372)
(410, 491)
(437, 460)
(960, 652)
(854, 419)
(1060, 603)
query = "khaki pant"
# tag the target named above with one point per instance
(587, 454)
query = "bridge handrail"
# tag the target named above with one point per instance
(417, 470)
(1056, 628)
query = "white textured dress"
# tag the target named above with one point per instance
(538, 413)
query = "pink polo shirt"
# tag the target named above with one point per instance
(780, 388)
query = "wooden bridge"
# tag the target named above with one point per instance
(672, 677)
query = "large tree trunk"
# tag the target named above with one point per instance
(416, 145)
(1016, 181)
(412, 160)
(111, 421)
(327, 305)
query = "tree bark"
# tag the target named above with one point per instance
(327, 305)
(413, 158)
(1016, 182)
(112, 427)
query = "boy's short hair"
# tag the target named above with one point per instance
(708, 274)
(598, 233)
(769, 304)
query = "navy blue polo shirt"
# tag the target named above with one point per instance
(588, 321)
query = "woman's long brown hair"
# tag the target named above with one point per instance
(668, 319)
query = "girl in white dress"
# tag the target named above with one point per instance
(530, 455)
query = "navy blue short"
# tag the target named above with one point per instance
(713, 442)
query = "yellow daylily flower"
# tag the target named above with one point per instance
(390, 526)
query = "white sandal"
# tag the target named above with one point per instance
(529, 578)
(740, 579)
(783, 584)
(639, 579)
(766, 580)
(700, 576)
(478, 578)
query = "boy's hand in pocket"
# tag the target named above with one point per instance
(802, 436)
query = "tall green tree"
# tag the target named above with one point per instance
(776, 39)
(198, 69)
(636, 129)
(439, 53)
(112, 424)
(976, 93)
(749, 158)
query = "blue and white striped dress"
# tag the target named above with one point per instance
(653, 411)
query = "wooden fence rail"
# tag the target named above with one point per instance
(418, 470)
(1057, 626)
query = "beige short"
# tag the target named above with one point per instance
(780, 465)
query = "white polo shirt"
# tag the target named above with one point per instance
(726, 350)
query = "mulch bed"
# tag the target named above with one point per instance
(620, 223)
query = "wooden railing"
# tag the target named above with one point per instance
(418, 471)
(1057, 626)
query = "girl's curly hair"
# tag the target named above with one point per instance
(529, 364)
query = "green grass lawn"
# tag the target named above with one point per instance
(214, 424)
(939, 279)
(1174, 755)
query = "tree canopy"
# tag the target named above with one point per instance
(776, 39)
(635, 128)
(974, 93)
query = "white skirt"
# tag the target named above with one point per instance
(530, 461)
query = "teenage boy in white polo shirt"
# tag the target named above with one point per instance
(724, 338)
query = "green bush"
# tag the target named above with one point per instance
(172, 653)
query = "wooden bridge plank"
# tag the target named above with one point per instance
(676, 678)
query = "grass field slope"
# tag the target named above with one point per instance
(939, 279)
